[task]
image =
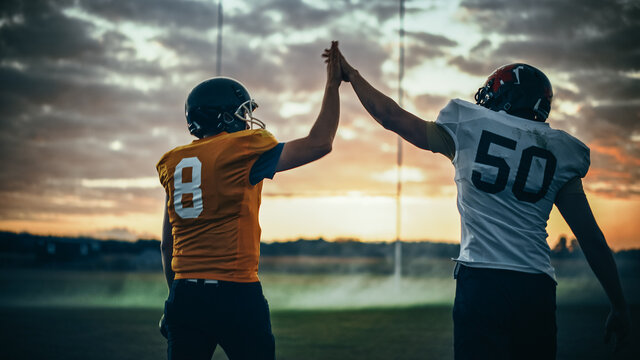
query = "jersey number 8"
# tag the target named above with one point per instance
(188, 188)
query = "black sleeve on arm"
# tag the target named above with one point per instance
(265, 166)
(439, 140)
(571, 187)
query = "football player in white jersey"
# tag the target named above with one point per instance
(510, 169)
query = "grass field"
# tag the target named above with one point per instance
(407, 333)
(91, 315)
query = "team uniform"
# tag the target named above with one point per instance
(213, 187)
(508, 171)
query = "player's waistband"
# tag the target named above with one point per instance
(201, 281)
(217, 283)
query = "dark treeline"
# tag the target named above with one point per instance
(24, 250)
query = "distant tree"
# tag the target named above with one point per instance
(561, 249)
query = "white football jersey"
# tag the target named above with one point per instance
(508, 172)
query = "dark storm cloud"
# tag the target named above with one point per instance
(575, 54)
(198, 15)
(422, 45)
(625, 118)
(253, 19)
(37, 29)
(549, 18)
(480, 67)
(607, 84)
(479, 62)
(34, 89)
(482, 46)
(431, 39)
(240, 62)
(566, 35)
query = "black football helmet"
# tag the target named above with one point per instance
(220, 104)
(520, 90)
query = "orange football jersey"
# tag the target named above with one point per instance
(213, 208)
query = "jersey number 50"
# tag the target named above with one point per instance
(483, 157)
(188, 188)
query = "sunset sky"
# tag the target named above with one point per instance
(92, 94)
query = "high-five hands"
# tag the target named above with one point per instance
(334, 72)
(346, 70)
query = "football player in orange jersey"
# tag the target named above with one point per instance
(211, 235)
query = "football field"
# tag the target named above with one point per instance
(408, 333)
(110, 315)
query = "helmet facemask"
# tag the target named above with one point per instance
(484, 94)
(244, 113)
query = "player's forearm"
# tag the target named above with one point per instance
(323, 131)
(167, 256)
(381, 107)
(601, 261)
(575, 208)
(166, 245)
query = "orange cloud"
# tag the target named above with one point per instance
(616, 152)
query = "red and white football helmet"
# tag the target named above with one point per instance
(520, 90)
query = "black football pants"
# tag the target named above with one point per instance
(504, 315)
(200, 316)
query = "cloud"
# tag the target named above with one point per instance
(121, 233)
(567, 35)
(198, 15)
(29, 29)
(473, 67)
(431, 39)
(480, 61)
(423, 45)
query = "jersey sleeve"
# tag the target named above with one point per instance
(576, 154)
(161, 168)
(258, 142)
(582, 157)
(448, 120)
(265, 166)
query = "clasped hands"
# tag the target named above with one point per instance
(338, 69)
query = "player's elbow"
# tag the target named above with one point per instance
(319, 144)
(322, 148)
(386, 117)
(326, 149)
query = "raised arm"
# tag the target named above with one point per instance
(166, 246)
(384, 110)
(320, 139)
(574, 207)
